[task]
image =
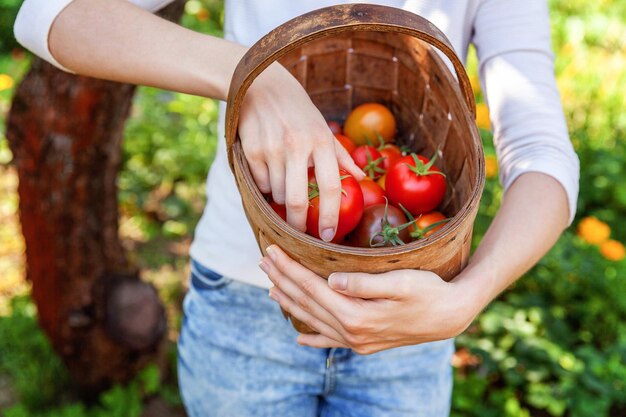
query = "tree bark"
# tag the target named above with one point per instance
(65, 132)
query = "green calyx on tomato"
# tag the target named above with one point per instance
(373, 167)
(369, 160)
(388, 233)
(421, 168)
(314, 190)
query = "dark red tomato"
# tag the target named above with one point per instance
(335, 127)
(280, 209)
(372, 193)
(345, 142)
(427, 224)
(391, 153)
(381, 225)
(369, 160)
(416, 184)
(350, 209)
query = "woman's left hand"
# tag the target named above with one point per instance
(369, 312)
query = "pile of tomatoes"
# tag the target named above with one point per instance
(395, 202)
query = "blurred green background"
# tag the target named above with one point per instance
(554, 345)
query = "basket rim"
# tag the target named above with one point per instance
(326, 22)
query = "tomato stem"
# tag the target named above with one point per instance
(422, 169)
(389, 233)
(372, 166)
(314, 190)
(421, 233)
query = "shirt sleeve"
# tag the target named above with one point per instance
(516, 68)
(35, 18)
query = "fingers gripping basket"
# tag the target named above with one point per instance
(347, 55)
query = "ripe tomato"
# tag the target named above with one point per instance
(391, 153)
(334, 127)
(415, 183)
(280, 209)
(369, 122)
(350, 209)
(427, 224)
(345, 142)
(369, 160)
(372, 193)
(381, 225)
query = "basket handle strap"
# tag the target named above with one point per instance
(329, 21)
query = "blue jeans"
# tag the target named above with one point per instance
(238, 357)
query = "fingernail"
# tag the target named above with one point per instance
(273, 295)
(271, 251)
(264, 266)
(328, 234)
(338, 281)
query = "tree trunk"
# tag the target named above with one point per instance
(65, 132)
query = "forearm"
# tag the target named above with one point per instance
(533, 215)
(115, 40)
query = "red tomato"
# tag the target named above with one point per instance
(345, 142)
(391, 153)
(381, 225)
(372, 193)
(415, 183)
(350, 209)
(369, 122)
(369, 160)
(427, 224)
(280, 209)
(334, 127)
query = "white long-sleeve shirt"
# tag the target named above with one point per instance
(516, 68)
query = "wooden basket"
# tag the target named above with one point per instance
(347, 55)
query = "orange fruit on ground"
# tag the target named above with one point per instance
(613, 250)
(369, 122)
(593, 231)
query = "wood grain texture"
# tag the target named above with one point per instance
(351, 54)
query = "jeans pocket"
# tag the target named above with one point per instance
(203, 278)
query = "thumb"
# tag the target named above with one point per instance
(386, 285)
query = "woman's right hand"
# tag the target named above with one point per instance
(282, 134)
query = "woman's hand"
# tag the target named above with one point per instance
(282, 134)
(369, 312)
